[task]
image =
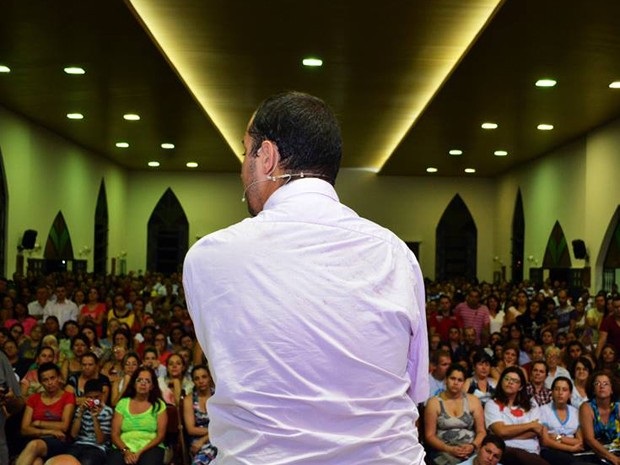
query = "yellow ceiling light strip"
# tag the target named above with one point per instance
(462, 39)
(148, 12)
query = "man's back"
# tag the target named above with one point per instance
(308, 334)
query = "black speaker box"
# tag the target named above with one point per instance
(28, 239)
(579, 249)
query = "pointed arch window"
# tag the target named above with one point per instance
(456, 242)
(168, 235)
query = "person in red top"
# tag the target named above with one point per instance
(441, 322)
(47, 417)
(93, 311)
(609, 332)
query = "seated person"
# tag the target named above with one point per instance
(511, 416)
(196, 417)
(91, 426)
(47, 417)
(453, 421)
(599, 416)
(490, 452)
(139, 422)
(561, 436)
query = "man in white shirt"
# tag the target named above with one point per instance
(312, 318)
(63, 309)
(42, 304)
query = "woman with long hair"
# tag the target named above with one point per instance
(73, 365)
(510, 358)
(30, 384)
(175, 382)
(608, 360)
(196, 417)
(511, 416)
(89, 331)
(600, 415)
(131, 362)
(93, 311)
(453, 421)
(579, 372)
(139, 422)
(533, 320)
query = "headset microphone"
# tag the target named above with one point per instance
(287, 176)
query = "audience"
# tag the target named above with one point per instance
(549, 336)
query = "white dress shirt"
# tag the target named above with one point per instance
(313, 323)
(64, 311)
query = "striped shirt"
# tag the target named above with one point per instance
(477, 318)
(87, 435)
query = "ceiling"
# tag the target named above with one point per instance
(409, 80)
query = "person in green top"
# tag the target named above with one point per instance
(139, 422)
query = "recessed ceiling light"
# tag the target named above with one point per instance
(500, 153)
(74, 70)
(313, 62)
(131, 117)
(614, 85)
(75, 116)
(431, 169)
(455, 152)
(489, 126)
(546, 83)
(167, 145)
(122, 145)
(544, 127)
(470, 170)
(191, 164)
(4, 69)
(153, 164)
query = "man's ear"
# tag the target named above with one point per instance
(269, 157)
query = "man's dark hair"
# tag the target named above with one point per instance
(495, 440)
(93, 385)
(48, 366)
(305, 130)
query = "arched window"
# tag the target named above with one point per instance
(557, 255)
(168, 235)
(100, 253)
(4, 204)
(611, 262)
(456, 242)
(518, 240)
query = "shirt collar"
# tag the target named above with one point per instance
(301, 186)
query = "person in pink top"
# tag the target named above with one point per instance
(93, 311)
(473, 314)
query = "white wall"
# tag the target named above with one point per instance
(213, 201)
(46, 174)
(577, 185)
